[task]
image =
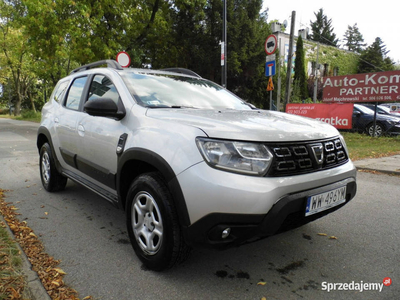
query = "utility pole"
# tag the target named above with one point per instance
(290, 55)
(316, 76)
(224, 49)
(278, 61)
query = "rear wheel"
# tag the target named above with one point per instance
(52, 180)
(152, 223)
(379, 130)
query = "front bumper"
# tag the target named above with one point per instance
(395, 130)
(285, 214)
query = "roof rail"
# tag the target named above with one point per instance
(109, 62)
(182, 71)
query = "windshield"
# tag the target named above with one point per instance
(364, 109)
(386, 109)
(160, 91)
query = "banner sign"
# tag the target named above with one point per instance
(368, 87)
(338, 115)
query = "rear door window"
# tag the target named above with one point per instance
(59, 91)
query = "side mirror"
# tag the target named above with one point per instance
(103, 107)
(356, 113)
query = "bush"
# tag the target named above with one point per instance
(30, 115)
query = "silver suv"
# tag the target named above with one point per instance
(189, 162)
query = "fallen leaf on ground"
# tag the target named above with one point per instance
(322, 234)
(261, 283)
(333, 237)
(58, 270)
(43, 264)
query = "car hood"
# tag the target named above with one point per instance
(249, 125)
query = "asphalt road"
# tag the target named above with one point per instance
(88, 235)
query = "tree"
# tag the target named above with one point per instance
(61, 35)
(300, 79)
(375, 59)
(16, 72)
(194, 42)
(247, 32)
(322, 31)
(354, 39)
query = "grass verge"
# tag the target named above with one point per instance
(362, 146)
(26, 115)
(12, 281)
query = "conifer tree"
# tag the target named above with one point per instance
(354, 39)
(322, 31)
(375, 59)
(300, 79)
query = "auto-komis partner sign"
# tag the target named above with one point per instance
(369, 87)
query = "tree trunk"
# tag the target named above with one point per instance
(17, 108)
(32, 102)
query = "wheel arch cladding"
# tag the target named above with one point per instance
(136, 161)
(43, 136)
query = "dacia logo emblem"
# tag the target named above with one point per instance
(318, 151)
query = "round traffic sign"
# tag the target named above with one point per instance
(123, 59)
(270, 44)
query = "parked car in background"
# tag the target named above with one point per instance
(394, 107)
(381, 109)
(363, 121)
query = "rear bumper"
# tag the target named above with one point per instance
(285, 214)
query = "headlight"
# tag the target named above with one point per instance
(240, 157)
(393, 122)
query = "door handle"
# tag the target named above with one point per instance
(81, 130)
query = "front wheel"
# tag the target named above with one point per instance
(152, 223)
(379, 130)
(52, 180)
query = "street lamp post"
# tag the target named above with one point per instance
(224, 49)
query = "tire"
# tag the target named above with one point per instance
(152, 223)
(379, 130)
(52, 180)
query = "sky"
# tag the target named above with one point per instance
(374, 18)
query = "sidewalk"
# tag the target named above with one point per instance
(388, 165)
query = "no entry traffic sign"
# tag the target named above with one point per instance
(123, 59)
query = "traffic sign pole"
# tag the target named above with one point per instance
(270, 99)
(270, 47)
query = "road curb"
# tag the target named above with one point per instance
(377, 170)
(34, 288)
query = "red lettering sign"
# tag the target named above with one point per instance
(368, 87)
(338, 115)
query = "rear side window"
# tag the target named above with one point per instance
(102, 87)
(59, 91)
(75, 93)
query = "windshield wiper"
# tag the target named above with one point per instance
(172, 106)
(183, 106)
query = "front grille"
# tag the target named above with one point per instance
(306, 157)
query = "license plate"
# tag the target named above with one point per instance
(324, 201)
